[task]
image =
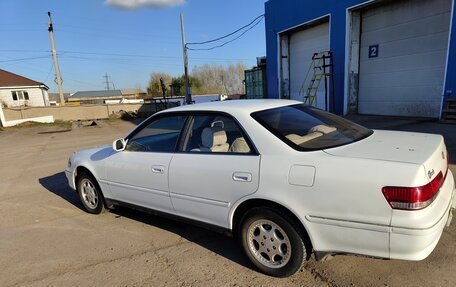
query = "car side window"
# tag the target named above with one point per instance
(217, 134)
(160, 135)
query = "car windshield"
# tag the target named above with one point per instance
(306, 128)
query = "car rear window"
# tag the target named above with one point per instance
(306, 128)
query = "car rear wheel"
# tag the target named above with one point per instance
(272, 242)
(90, 193)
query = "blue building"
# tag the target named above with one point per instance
(390, 57)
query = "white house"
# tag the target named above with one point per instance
(18, 91)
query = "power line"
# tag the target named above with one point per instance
(63, 52)
(146, 56)
(98, 31)
(84, 83)
(137, 61)
(24, 51)
(230, 34)
(28, 63)
(49, 73)
(227, 42)
(119, 55)
(122, 62)
(21, 30)
(24, 59)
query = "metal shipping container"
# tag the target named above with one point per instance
(255, 83)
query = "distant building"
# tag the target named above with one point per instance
(107, 96)
(95, 97)
(134, 93)
(16, 91)
(54, 98)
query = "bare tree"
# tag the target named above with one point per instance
(205, 79)
(218, 79)
(209, 76)
(234, 79)
(154, 87)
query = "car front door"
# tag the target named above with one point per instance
(216, 165)
(139, 174)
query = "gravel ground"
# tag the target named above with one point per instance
(47, 240)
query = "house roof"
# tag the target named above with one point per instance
(96, 94)
(132, 91)
(8, 79)
(56, 96)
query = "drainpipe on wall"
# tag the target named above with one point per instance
(44, 98)
(2, 117)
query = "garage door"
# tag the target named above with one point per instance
(402, 58)
(303, 45)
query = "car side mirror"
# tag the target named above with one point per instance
(119, 145)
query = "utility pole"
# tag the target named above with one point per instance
(56, 63)
(107, 81)
(188, 96)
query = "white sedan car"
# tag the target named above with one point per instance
(285, 178)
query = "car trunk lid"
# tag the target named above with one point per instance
(418, 148)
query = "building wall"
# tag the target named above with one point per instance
(282, 15)
(38, 97)
(74, 113)
(450, 80)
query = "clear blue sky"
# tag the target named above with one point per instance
(149, 37)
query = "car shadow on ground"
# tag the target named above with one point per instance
(58, 185)
(218, 243)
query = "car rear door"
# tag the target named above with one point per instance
(206, 180)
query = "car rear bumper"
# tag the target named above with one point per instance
(419, 240)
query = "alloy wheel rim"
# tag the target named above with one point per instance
(89, 193)
(269, 243)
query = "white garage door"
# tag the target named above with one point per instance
(402, 58)
(303, 45)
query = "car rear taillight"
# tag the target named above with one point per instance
(413, 198)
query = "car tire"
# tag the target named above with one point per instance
(272, 242)
(90, 193)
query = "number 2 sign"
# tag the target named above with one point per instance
(373, 51)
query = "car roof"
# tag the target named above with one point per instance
(236, 106)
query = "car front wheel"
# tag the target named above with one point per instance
(90, 193)
(272, 242)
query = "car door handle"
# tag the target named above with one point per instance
(242, 176)
(158, 169)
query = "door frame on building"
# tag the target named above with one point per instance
(284, 35)
(352, 53)
(448, 57)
